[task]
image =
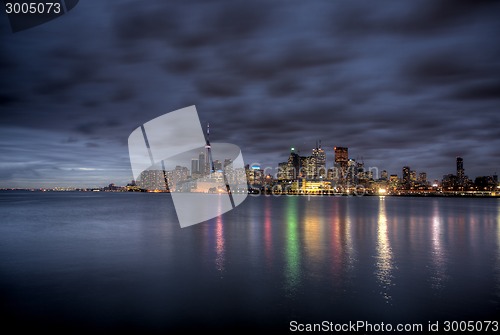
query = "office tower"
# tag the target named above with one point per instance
(351, 172)
(460, 170)
(282, 169)
(422, 177)
(394, 181)
(384, 175)
(293, 165)
(318, 161)
(332, 174)
(306, 169)
(255, 175)
(152, 180)
(201, 163)
(341, 162)
(406, 176)
(341, 157)
(217, 165)
(413, 175)
(194, 166)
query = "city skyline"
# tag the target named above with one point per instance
(399, 84)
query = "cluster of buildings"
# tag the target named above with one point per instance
(310, 175)
(307, 175)
(205, 176)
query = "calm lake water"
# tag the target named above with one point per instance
(119, 262)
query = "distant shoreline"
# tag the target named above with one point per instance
(276, 194)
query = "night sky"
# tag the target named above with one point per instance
(398, 82)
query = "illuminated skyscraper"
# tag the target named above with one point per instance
(341, 156)
(282, 170)
(422, 177)
(318, 162)
(460, 170)
(306, 169)
(293, 165)
(341, 161)
(152, 180)
(406, 176)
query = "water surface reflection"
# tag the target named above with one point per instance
(292, 268)
(384, 264)
(438, 251)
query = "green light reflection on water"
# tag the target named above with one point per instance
(292, 247)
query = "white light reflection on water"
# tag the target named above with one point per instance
(497, 268)
(268, 233)
(438, 252)
(385, 261)
(348, 244)
(336, 245)
(312, 229)
(219, 244)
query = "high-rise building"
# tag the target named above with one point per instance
(384, 175)
(422, 177)
(201, 163)
(351, 173)
(406, 176)
(394, 181)
(306, 169)
(255, 175)
(460, 170)
(413, 175)
(332, 174)
(217, 165)
(282, 170)
(341, 156)
(195, 167)
(293, 165)
(152, 180)
(318, 161)
(341, 161)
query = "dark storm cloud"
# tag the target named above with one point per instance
(8, 99)
(438, 69)
(181, 65)
(405, 17)
(284, 86)
(259, 63)
(190, 27)
(123, 94)
(95, 127)
(481, 91)
(83, 71)
(138, 22)
(218, 86)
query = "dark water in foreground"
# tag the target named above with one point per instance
(119, 262)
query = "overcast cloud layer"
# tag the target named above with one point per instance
(398, 82)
